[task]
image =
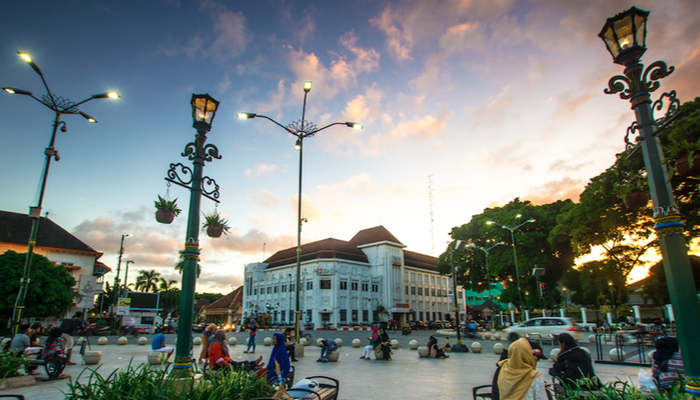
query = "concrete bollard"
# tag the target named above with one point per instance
(142, 341)
(591, 339)
(298, 351)
(413, 345)
(102, 341)
(487, 336)
(498, 348)
(339, 342)
(92, 357)
(497, 336)
(394, 344)
(304, 342)
(423, 352)
(156, 357)
(267, 341)
(476, 347)
(122, 341)
(618, 355)
(318, 342)
(232, 341)
(197, 341)
(356, 342)
(334, 356)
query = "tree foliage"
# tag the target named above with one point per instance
(532, 246)
(147, 280)
(181, 264)
(655, 286)
(50, 290)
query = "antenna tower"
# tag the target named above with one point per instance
(432, 220)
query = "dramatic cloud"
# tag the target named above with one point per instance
(425, 128)
(399, 43)
(562, 189)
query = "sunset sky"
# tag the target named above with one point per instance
(486, 100)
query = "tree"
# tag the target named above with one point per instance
(165, 285)
(210, 297)
(147, 280)
(655, 288)
(533, 249)
(181, 264)
(49, 293)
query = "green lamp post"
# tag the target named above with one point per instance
(301, 129)
(59, 105)
(203, 111)
(486, 253)
(625, 38)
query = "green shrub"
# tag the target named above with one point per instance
(622, 391)
(11, 363)
(149, 382)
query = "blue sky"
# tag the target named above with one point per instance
(492, 99)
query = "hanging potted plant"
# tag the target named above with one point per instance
(166, 210)
(215, 224)
(631, 187)
(682, 142)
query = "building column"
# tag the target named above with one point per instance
(512, 316)
(527, 314)
(637, 314)
(562, 312)
(669, 313)
(584, 316)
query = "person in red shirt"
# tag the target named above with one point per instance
(219, 356)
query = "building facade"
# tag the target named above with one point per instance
(61, 248)
(370, 278)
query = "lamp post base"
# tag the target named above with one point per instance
(459, 348)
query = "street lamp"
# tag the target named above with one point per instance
(203, 111)
(117, 291)
(515, 255)
(486, 252)
(126, 274)
(301, 129)
(625, 38)
(459, 347)
(612, 299)
(566, 305)
(59, 105)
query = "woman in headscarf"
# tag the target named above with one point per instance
(385, 343)
(573, 363)
(278, 366)
(518, 378)
(373, 341)
(219, 356)
(208, 332)
(434, 350)
(667, 363)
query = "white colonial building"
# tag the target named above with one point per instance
(370, 278)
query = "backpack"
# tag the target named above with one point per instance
(68, 326)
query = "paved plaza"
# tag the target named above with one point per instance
(406, 377)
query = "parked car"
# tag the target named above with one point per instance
(544, 326)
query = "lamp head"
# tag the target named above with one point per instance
(531, 220)
(128, 234)
(490, 222)
(307, 86)
(243, 115)
(203, 110)
(12, 90)
(89, 118)
(625, 36)
(355, 125)
(518, 216)
(110, 95)
(297, 145)
(26, 57)
(610, 282)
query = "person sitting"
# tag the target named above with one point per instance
(434, 350)
(373, 342)
(518, 379)
(289, 343)
(667, 364)
(573, 364)
(278, 365)
(21, 344)
(34, 334)
(158, 344)
(220, 358)
(385, 344)
(54, 347)
(327, 345)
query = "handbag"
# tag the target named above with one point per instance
(378, 349)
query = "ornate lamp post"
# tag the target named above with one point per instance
(486, 252)
(59, 106)
(118, 292)
(515, 255)
(625, 38)
(203, 111)
(301, 129)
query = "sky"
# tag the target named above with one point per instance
(467, 104)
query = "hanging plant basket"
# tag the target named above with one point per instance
(165, 216)
(684, 168)
(637, 198)
(214, 231)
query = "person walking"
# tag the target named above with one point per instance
(208, 332)
(251, 338)
(70, 327)
(373, 343)
(385, 344)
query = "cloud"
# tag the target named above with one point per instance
(250, 242)
(566, 188)
(360, 185)
(399, 43)
(231, 34)
(564, 166)
(260, 169)
(263, 198)
(425, 128)
(463, 36)
(494, 110)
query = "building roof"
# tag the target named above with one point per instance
(227, 302)
(340, 249)
(377, 234)
(327, 248)
(16, 228)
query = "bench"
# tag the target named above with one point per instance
(54, 366)
(324, 391)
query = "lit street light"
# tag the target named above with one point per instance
(515, 255)
(203, 112)
(486, 252)
(301, 129)
(625, 38)
(59, 105)
(612, 299)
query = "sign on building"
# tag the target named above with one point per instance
(123, 306)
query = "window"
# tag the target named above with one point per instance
(343, 315)
(406, 289)
(310, 285)
(343, 285)
(353, 285)
(470, 298)
(147, 320)
(432, 292)
(283, 311)
(439, 316)
(365, 316)
(291, 287)
(309, 315)
(354, 315)
(269, 289)
(255, 291)
(375, 288)
(420, 315)
(420, 291)
(325, 284)
(413, 290)
(275, 289)
(365, 287)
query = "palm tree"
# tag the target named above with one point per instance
(166, 285)
(147, 280)
(181, 264)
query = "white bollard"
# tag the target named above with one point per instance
(476, 347)
(498, 348)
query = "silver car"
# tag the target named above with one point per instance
(544, 326)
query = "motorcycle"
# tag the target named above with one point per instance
(406, 331)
